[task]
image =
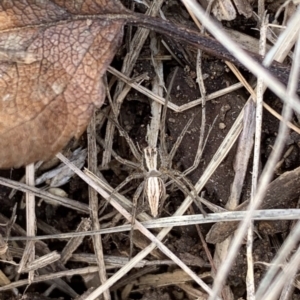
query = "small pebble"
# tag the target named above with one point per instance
(222, 126)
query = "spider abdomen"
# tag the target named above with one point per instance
(155, 190)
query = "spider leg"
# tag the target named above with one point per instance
(176, 176)
(179, 139)
(164, 115)
(199, 151)
(123, 133)
(119, 158)
(196, 198)
(135, 198)
(126, 181)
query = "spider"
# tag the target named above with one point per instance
(154, 174)
(154, 166)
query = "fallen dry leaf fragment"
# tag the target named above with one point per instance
(50, 73)
(280, 193)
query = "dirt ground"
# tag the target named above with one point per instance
(161, 279)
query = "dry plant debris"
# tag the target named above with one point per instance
(56, 88)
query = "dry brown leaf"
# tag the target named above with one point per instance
(50, 73)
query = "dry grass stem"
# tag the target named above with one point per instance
(165, 279)
(93, 203)
(128, 64)
(29, 253)
(192, 292)
(130, 279)
(57, 200)
(244, 82)
(186, 220)
(171, 105)
(118, 261)
(42, 262)
(75, 242)
(53, 276)
(157, 89)
(256, 161)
